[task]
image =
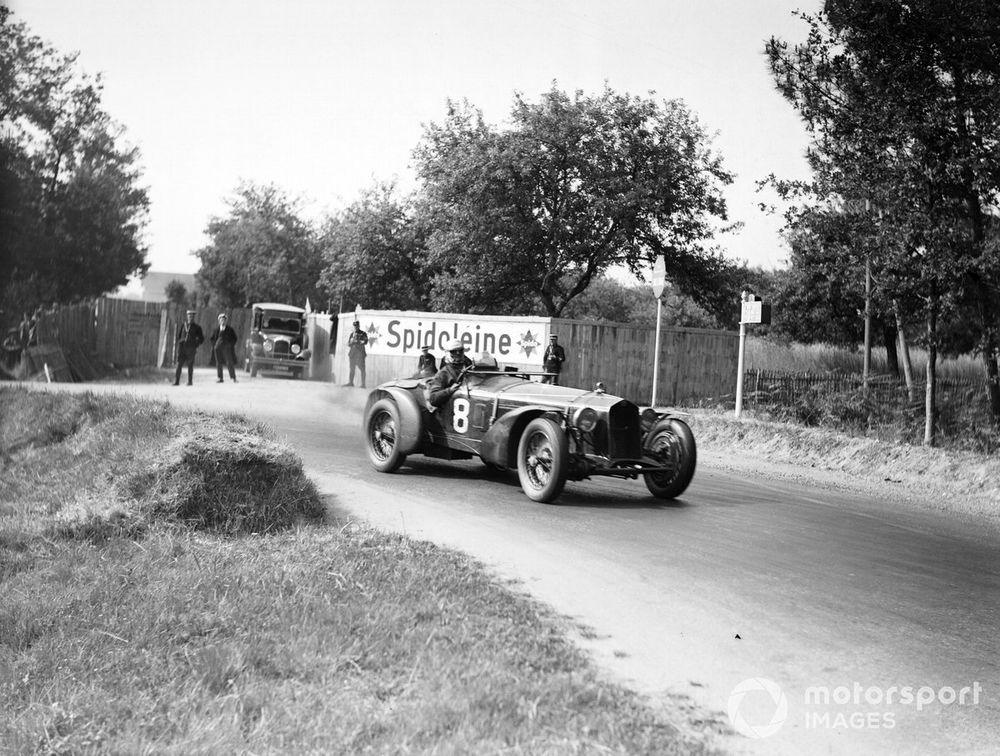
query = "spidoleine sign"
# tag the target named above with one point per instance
(512, 340)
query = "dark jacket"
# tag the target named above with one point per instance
(189, 338)
(553, 358)
(357, 341)
(224, 339)
(427, 364)
(445, 381)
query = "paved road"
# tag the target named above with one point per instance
(848, 604)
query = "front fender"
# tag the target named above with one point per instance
(501, 440)
(411, 420)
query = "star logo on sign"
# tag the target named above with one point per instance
(528, 343)
(373, 335)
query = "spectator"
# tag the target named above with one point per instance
(427, 366)
(553, 360)
(189, 338)
(224, 345)
(356, 353)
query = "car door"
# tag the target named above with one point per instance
(465, 418)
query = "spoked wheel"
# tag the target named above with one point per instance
(381, 436)
(542, 460)
(670, 443)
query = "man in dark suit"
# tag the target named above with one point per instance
(224, 344)
(189, 338)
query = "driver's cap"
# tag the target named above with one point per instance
(455, 345)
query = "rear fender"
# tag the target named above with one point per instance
(411, 421)
(500, 442)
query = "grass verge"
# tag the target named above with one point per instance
(169, 584)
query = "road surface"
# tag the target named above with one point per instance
(811, 620)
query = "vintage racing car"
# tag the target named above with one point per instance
(277, 340)
(548, 433)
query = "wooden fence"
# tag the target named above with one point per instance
(126, 333)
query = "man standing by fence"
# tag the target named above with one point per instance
(356, 353)
(224, 343)
(189, 338)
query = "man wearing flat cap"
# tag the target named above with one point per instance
(553, 360)
(189, 338)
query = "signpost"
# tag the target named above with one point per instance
(752, 310)
(659, 282)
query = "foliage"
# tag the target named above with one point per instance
(177, 293)
(73, 210)
(903, 100)
(575, 185)
(610, 300)
(375, 254)
(262, 251)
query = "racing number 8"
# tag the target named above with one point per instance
(460, 415)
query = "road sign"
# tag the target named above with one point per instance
(755, 311)
(659, 276)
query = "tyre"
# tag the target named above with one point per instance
(542, 460)
(671, 443)
(382, 436)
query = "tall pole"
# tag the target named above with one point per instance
(867, 365)
(739, 369)
(656, 350)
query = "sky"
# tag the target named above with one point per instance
(323, 98)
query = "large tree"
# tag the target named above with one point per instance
(375, 253)
(263, 250)
(903, 101)
(574, 185)
(73, 210)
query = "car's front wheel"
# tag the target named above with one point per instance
(542, 460)
(671, 444)
(382, 436)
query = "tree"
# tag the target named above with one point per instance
(262, 251)
(176, 292)
(575, 185)
(73, 211)
(903, 100)
(610, 300)
(375, 253)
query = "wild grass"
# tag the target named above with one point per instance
(168, 628)
(766, 354)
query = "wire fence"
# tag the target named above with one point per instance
(771, 388)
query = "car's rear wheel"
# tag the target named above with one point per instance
(542, 460)
(382, 436)
(670, 443)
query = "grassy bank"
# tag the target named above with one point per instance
(172, 583)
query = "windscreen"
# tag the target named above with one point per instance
(280, 321)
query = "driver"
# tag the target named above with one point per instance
(447, 380)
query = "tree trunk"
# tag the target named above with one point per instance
(990, 361)
(904, 352)
(930, 397)
(889, 338)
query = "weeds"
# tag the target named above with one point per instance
(146, 610)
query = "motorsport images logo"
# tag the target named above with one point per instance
(757, 707)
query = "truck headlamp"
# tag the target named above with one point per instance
(296, 349)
